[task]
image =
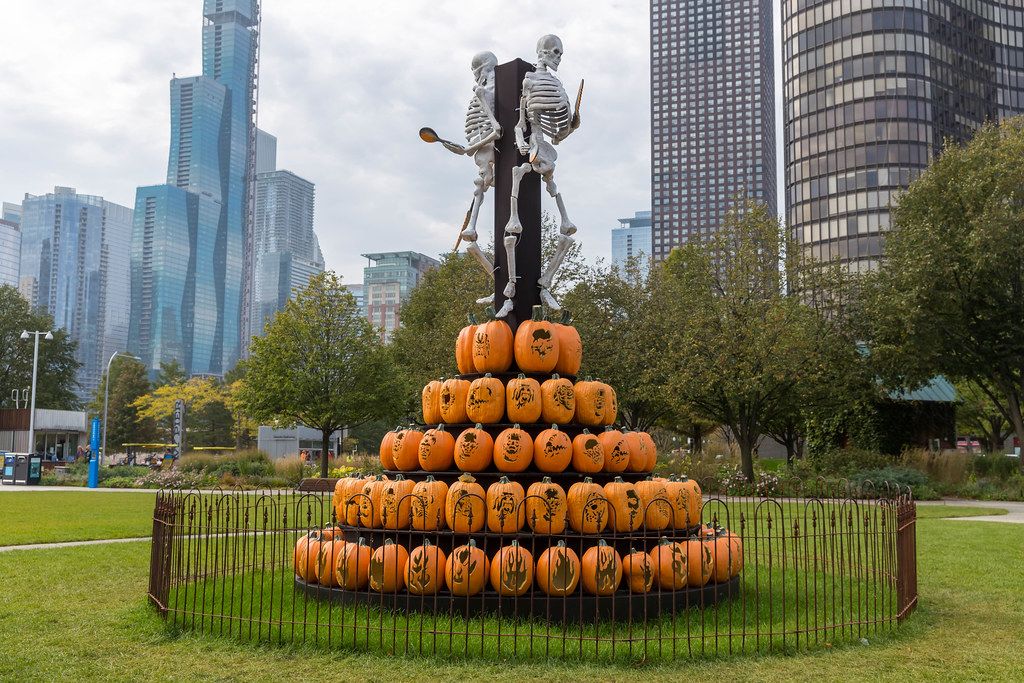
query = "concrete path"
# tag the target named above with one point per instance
(1014, 511)
(71, 544)
(15, 489)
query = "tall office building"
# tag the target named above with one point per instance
(10, 252)
(75, 266)
(872, 89)
(387, 282)
(266, 152)
(11, 212)
(632, 240)
(712, 115)
(189, 236)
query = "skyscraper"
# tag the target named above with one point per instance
(388, 282)
(10, 252)
(712, 114)
(871, 90)
(632, 240)
(75, 266)
(189, 236)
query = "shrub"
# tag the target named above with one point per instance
(919, 483)
(997, 466)
(846, 462)
(948, 468)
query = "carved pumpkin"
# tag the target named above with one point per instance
(587, 453)
(505, 510)
(523, 400)
(396, 503)
(453, 401)
(670, 564)
(428, 501)
(430, 401)
(558, 401)
(601, 571)
(655, 502)
(352, 565)
(513, 450)
(587, 507)
(405, 450)
(492, 346)
(437, 450)
(727, 554)
(616, 450)
(387, 567)
(387, 460)
(638, 453)
(570, 348)
(425, 569)
(466, 570)
(552, 450)
(613, 407)
(700, 563)
(546, 506)
(343, 490)
(558, 570)
(307, 549)
(639, 571)
(626, 508)
(325, 559)
(464, 347)
(465, 507)
(536, 345)
(652, 450)
(512, 570)
(594, 403)
(684, 495)
(351, 498)
(474, 450)
(486, 400)
(369, 502)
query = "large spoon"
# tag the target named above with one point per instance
(428, 135)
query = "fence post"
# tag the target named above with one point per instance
(906, 557)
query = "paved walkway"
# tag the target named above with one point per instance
(1014, 511)
(8, 487)
(71, 544)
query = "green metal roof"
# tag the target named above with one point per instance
(937, 390)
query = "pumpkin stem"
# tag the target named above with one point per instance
(504, 480)
(586, 431)
(388, 541)
(618, 480)
(561, 544)
(555, 376)
(602, 543)
(515, 426)
(546, 480)
(521, 376)
(467, 478)
(566, 317)
(472, 543)
(488, 375)
(479, 426)
(491, 312)
(430, 478)
(471, 318)
(588, 480)
(538, 313)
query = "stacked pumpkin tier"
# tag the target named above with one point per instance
(562, 483)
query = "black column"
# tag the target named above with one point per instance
(508, 87)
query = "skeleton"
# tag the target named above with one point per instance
(545, 107)
(482, 130)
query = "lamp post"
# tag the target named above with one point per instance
(48, 336)
(106, 397)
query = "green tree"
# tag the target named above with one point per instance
(56, 378)
(979, 414)
(320, 364)
(949, 296)
(208, 419)
(170, 372)
(128, 382)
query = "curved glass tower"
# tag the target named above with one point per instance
(872, 88)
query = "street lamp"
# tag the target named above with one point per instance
(106, 396)
(48, 336)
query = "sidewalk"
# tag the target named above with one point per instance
(72, 544)
(8, 487)
(1014, 511)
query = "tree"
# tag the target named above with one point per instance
(56, 377)
(320, 364)
(949, 296)
(128, 382)
(170, 372)
(208, 419)
(979, 414)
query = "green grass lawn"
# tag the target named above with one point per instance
(52, 516)
(950, 511)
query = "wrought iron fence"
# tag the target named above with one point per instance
(825, 566)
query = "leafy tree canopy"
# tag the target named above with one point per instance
(129, 382)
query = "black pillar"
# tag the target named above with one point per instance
(508, 87)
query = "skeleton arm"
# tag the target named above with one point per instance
(521, 126)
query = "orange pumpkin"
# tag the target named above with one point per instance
(466, 570)
(325, 560)
(513, 450)
(505, 510)
(700, 564)
(425, 569)
(627, 513)
(396, 503)
(727, 553)
(453, 401)
(684, 495)
(587, 507)
(670, 564)
(613, 407)
(405, 450)
(616, 450)
(587, 453)
(536, 346)
(652, 450)
(655, 503)
(570, 348)
(474, 450)
(465, 508)
(437, 450)
(351, 497)
(638, 453)
(464, 347)
(512, 570)
(343, 492)
(639, 571)
(601, 569)
(492, 347)
(307, 550)
(486, 400)
(352, 565)
(387, 460)
(430, 401)
(593, 403)
(546, 507)
(428, 501)
(552, 450)
(369, 502)
(558, 570)
(523, 400)
(387, 567)
(558, 401)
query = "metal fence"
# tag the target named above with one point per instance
(819, 568)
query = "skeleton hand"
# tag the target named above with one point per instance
(524, 148)
(454, 148)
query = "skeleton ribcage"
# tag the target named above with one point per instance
(547, 104)
(478, 124)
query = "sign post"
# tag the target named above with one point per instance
(178, 429)
(94, 453)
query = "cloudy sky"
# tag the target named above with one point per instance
(344, 86)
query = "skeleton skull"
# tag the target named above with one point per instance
(483, 64)
(549, 51)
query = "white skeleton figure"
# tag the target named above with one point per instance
(545, 106)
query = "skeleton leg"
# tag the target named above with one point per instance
(544, 281)
(568, 227)
(514, 228)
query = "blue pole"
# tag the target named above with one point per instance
(94, 458)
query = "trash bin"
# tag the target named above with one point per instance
(9, 462)
(22, 468)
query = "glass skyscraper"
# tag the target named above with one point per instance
(388, 282)
(712, 115)
(75, 266)
(632, 239)
(189, 235)
(872, 89)
(10, 252)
